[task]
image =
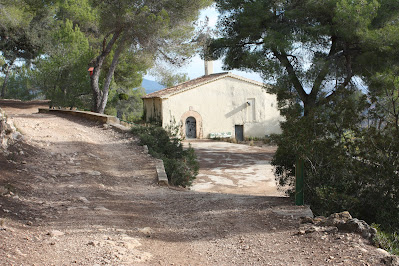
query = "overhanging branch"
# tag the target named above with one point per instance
(283, 58)
(324, 69)
(347, 80)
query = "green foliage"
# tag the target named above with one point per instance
(23, 31)
(384, 94)
(313, 50)
(387, 241)
(80, 12)
(131, 68)
(20, 85)
(123, 96)
(350, 164)
(151, 29)
(180, 164)
(125, 101)
(167, 77)
(173, 79)
(20, 28)
(126, 104)
(62, 75)
(121, 39)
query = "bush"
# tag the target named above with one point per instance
(387, 241)
(125, 104)
(181, 165)
(348, 165)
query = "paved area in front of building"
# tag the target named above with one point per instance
(234, 168)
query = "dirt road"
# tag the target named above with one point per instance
(234, 168)
(75, 192)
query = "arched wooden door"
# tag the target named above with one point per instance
(191, 128)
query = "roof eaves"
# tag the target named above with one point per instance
(218, 76)
(166, 92)
(248, 80)
(199, 84)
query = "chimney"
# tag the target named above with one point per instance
(208, 67)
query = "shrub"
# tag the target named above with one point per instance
(181, 165)
(123, 96)
(387, 241)
(348, 165)
(125, 104)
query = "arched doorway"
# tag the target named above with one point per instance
(198, 124)
(191, 128)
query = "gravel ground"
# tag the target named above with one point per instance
(75, 192)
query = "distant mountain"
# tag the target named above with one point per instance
(151, 86)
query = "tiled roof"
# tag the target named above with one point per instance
(165, 93)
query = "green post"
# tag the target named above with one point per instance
(299, 197)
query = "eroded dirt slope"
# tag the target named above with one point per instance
(76, 192)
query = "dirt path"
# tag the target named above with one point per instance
(74, 192)
(234, 168)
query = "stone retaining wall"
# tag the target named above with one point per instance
(105, 119)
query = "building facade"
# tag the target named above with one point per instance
(216, 105)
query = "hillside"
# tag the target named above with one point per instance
(151, 86)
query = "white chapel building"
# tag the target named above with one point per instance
(215, 105)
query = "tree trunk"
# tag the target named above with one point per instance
(4, 87)
(108, 79)
(98, 95)
(309, 105)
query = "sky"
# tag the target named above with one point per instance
(196, 67)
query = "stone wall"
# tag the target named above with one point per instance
(106, 119)
(8, 132)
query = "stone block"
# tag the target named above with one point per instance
(162, 177)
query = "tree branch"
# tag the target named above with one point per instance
(324, 70)
(112, 41)
(348, 78)
(118, 51)
(283, 58)
(242, 44)
(98, 62)
(338, 89)
(177, 61)
(105, 40)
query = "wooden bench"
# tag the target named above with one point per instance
(220, 135)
